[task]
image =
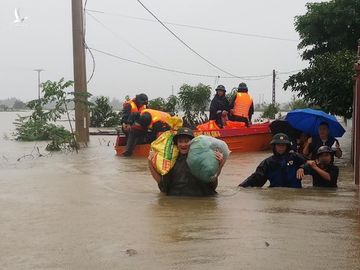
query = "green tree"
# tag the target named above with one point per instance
(270, 111)
(157, 104)
(298, 103)
(172, 104)
(19, 105)
(328, 33)
(194, 101)
(102, 114)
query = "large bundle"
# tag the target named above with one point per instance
(201, 157)
(166, 152)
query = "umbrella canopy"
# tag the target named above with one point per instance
(309, 120)
(283, 126)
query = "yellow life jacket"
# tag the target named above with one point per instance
(157, 116)
(134, 107)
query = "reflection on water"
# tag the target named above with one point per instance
(84, 211)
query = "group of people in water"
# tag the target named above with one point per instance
(286, 167)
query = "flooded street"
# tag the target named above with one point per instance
(94, 210)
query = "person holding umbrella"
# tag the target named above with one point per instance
(323, 139)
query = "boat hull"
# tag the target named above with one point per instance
(254, 138)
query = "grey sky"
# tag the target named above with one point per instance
(45, 41)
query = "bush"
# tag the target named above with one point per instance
(102, 114)
(270, 111)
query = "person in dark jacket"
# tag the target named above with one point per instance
(219, 107)
(179, 181)
(323, 138)
(322, 170)
(281, 169)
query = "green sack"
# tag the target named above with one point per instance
(201, 157)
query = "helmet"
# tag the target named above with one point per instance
(142, 98)
(324, 149)
(183, 132)
(280, 138)
(220, 88)
(242, 87)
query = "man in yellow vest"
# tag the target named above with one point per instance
(131, 108)
(242, 106)
(145, 129)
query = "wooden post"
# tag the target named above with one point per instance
(80, 84)
(356, 120)
(273, 87)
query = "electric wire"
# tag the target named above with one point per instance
(196, 27)
(184, 43)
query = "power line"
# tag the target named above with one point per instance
(255, 77)
(184, 43)
(122, 39)
(197, 27)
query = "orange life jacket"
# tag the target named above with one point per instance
(157, 116)
(134, 107)
(242, 104)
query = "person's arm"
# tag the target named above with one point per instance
(251, 111)
(324, 174)
(220, 157)
(302, 171)
(126, 113)
(306, 149)
(258, 178)
(338, 152)
(154, 173)
(213, 110)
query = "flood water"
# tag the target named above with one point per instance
(94, 210)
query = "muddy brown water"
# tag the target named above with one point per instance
(94, 210)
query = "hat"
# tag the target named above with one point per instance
(243, 87)
(280, 138)
(324, 149)
(142, 98)
(220, 88)
(183, 132)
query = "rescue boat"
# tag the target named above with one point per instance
(238, 138)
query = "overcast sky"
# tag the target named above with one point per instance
(45, 41)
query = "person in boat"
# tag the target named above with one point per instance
(323, 138)
(131, 109)
(242, 106)
(281, 169)
(219, 107)
(145, 128)
(179, 181)
(322, 170)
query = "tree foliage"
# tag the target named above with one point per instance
(194, 101)
(169, 105)
(40, 124)
(328, 33)
(270, 111)
(102, 114)
(298, 103)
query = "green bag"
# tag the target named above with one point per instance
(201, 157)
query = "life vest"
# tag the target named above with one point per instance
(134, 107)
(157, 116)
(242, 105)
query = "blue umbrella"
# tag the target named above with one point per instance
(308, 121)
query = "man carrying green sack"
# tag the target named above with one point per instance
(180, 181)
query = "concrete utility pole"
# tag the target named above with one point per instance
(39, 82)
(273, 87)
(356, 120)
(80, 84)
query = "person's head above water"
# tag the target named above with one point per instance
(281, 143)
(182, 140)
(325, 155)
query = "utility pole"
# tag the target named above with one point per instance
(273, 87)
(39, 83)
(80, 84)
(356, 120)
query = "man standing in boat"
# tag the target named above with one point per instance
(219, 107)
(242, 106)
(130, 109)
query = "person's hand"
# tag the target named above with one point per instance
(220, 157)
(224, 113)
(151, 155)
(300, 173)
(126, 127)
(218, 111)
(232, 111)
(337, 145)
(309, 140)
(312, 163)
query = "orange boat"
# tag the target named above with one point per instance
(243, 139)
